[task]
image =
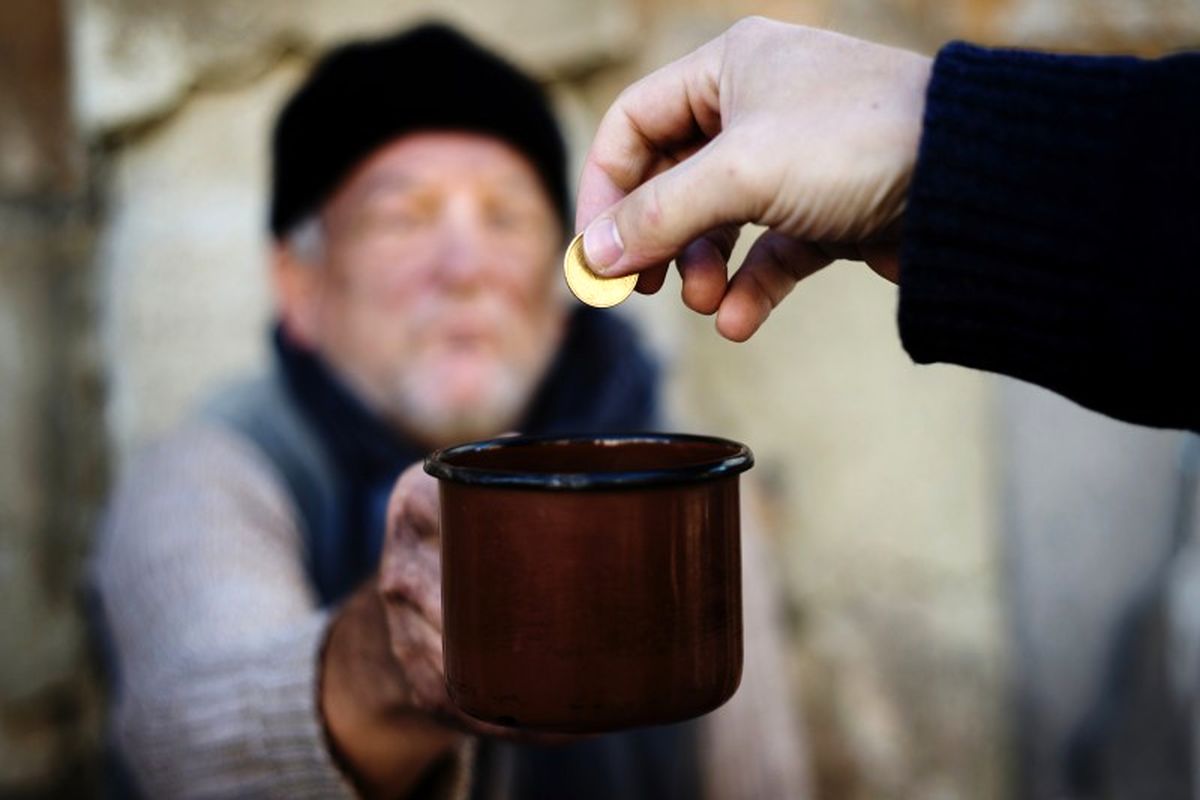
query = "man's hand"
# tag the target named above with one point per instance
(811, 134)
(383, 687)
(410, 586)
(382, 692)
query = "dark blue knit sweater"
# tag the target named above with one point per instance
(1053, 227)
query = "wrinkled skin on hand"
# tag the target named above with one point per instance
(409, 583)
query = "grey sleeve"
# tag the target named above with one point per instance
(213, 626)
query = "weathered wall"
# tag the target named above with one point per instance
(52, 464)
(885, 480)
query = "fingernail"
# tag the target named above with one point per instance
(602, 244)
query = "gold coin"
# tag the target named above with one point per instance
(590, 287)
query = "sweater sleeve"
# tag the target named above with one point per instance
(1053, 227)
(214, 629)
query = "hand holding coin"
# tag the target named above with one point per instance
(807, 133)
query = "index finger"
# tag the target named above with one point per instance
(670, 110)
(413, 505)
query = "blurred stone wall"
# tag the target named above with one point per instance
(52, 440)
(131, 256)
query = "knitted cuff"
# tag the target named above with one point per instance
(293, 741)
(1042, 235)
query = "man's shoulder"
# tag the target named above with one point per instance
(196, 452)
(244, 446)
(247, 397)
(263, 412)
(245, 433)
(200, 480)
(261, 409)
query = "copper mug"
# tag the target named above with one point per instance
(591, 583)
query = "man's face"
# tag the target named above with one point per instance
(434, 294)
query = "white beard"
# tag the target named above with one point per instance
(419, 405)
(451, 390)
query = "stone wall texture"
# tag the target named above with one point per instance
(132, 168)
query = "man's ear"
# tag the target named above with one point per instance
(297, 290)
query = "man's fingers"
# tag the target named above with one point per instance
(652, 279)
(884, 259)
(716, 187)
(417, 648)
(772, 267)
(668, 110)
(704, 273)
(704, 269)
(413, 575)
(414, 506)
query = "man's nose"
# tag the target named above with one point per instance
(463, 249)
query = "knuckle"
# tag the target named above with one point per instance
(400, 499)
(745, 173)
(396, 499)
(651, 212)
(738, 172)
(749, 26)
(410, 498)
(391, 586)
(640, 219)
(621, 139)
(625, 96)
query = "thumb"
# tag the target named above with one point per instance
(659, 218)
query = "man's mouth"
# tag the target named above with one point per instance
(466, 339)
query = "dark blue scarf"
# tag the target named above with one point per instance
(602, 381)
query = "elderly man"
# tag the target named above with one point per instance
(274, 624)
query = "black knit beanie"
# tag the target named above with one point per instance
(362, 95)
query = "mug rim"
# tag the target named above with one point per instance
(739, 460)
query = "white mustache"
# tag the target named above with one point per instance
(484, 313)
